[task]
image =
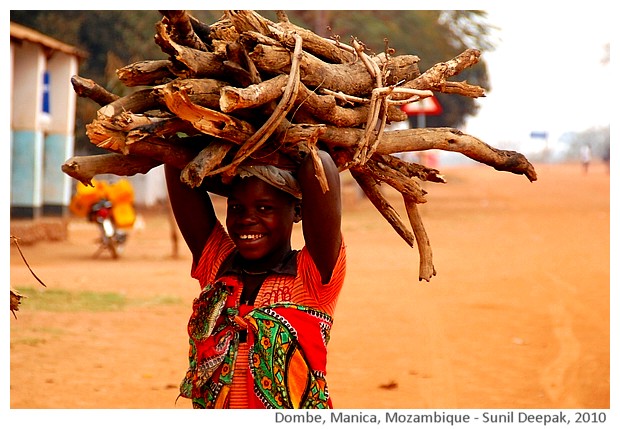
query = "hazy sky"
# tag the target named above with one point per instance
(546, 73)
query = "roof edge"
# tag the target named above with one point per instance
(20, 32)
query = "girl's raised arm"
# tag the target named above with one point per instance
(193, 211)
(321, 214)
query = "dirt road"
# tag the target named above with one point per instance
(517, 317)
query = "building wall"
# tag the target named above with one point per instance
(41, 133)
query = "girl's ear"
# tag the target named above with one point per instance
(297, 210)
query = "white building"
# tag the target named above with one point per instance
(42, 109)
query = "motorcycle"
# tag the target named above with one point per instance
(111, 207)
(111, 238)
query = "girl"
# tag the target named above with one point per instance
(260, 326)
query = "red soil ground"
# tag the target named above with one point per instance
(518, 315)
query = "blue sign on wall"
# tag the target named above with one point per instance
(46, 92)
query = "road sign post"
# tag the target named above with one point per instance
(426, 106)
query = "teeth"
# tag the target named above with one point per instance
(250, 236)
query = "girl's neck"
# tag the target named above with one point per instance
(251, 286)
(263, 265)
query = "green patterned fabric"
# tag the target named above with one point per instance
(288, 371)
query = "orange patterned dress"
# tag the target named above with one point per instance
(271, 354)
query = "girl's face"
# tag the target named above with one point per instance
(259, 219)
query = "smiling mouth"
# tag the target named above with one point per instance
(250, 237)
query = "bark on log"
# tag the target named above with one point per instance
(427, 269)
(85, 168)
(407, 186)
(207, 121)
(189, 62)
(371, 189)
(436, 78)
(203, 92)
(146, 73)
(182, 30)
(325, 49)
(411, 169)
(323, 108)
(137, 102)
(204, 163)
(232, 98)
(448, 139)
(89, 89)
(164, 151)
(248, 21)
(282, 31)
(162, 128)
(352, 79)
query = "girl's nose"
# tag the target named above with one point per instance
(248, 216)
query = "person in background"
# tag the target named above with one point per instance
(586, 157)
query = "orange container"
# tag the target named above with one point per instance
(85, 196)
(120, 192)
(124, 215)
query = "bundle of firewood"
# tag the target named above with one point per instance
(246, 90)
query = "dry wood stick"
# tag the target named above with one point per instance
(315, 44)
(89, 89)
(427, 269)
(207, 121)
(160, 127)
(183, 30)
(403, 184)
(232, 98)
(372, 191)
(203, 92)
(410, 169)
(436, 77)
(352, 79)
(375, 126)
(85, 168)
(248, 20)
(283, 107)
(205, 162)
(189, 62)
(449, 139)
(103, 135)
(137, 102)
(377, 118)
(146, 73)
